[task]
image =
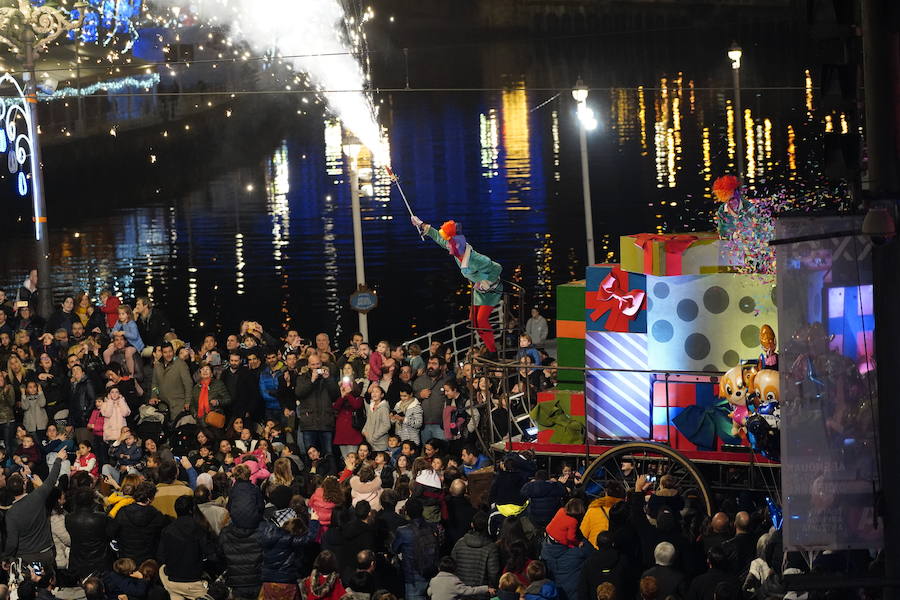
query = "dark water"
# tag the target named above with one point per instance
(270, 237)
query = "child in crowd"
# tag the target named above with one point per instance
(85, 460)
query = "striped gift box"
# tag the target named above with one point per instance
(618, 403)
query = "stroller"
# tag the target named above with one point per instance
(152, 421)
(184, 434)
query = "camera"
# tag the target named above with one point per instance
(320, 371)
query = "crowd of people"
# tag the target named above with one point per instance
(138, 466)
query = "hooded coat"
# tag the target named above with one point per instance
(447, 586)
(564, 566)
(245, 504)
(137, 529)
(477, 559)
(243, 559)
(596, 518)
(604, 565)
(279, 547)
(544, 499)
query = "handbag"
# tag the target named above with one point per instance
(215, 418)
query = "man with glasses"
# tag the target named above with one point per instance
(316, 391)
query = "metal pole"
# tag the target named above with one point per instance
(79, 124)
(738, 122)
(37, 183)
(586, 180)
(358, 243)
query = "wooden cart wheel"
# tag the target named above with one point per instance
(648, 459)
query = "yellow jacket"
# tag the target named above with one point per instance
(117, 500)
(596, 519)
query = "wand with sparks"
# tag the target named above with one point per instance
(396, 181)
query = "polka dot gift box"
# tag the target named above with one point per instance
(707, 322)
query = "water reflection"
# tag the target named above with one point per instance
(516, 143)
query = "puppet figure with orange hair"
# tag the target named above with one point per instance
(477, 268)
(736, 214)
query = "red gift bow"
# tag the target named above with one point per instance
(674, 246)
(615, 298)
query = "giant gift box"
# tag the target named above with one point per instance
(572, 404)
(707, 322)
(672, 254)
(618, 401)
(615, 300)
(570, 329)
(688, 413)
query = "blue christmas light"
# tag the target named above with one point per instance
(146, 82)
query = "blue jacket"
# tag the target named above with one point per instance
(530, 352)
(125, 456)
(482, 462)
(564, 566)
(544, 589)
(268, 388)
(132, 335)
(279, 549)
(404, 543)
(544, 499)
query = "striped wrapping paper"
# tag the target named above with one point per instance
(618, 404)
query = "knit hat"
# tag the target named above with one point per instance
(205, 479)
(281, 496)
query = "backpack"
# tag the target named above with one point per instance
(426, 548)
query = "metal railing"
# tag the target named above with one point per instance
(460, 336)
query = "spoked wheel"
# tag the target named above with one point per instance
(654, 460)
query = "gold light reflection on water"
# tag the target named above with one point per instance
(517, 143)
(239, 262)
(659, 142)
(554, 132)
(808, 86)
(760, 150)
(791, 152)
(667, 138)
(729, 120)
(277, 189)
(621, 114)
(692, 95)
(767, 141)
(642, 119)
(750, 142)
(829, 124)
(845, 126)
(490, 144)
(543, 291)
(332, 299)
(670, 155)
(334, 148)
(707, 156)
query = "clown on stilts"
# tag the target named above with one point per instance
(476, 267)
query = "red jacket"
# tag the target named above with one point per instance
(110, 308)
(564, 529)
(344, 434)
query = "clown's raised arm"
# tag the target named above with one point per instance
(483, 272)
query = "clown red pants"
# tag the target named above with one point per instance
(480, 316)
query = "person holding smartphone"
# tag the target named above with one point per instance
(316, 392)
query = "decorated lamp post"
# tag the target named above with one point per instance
(28, 30)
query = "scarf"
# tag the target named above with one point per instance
(82, 314)
(318, 585)
(203, 401)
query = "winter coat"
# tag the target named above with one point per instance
(314, 403)
(90, 543)
(60, 320)
(153, 328)
(183, 547)
(27, 525)
(564, 566)
(447, 586)
(344, 433)
(669, 581)
(404, 544)
(460, 512)
(245, 504)
(110, 308)
(477, 559)
(544, 499)
(279, 564)
(353, 536)
(543, 589)
(217, 391)
(82, 399)
(132, 335)
(61, 540)
(596, 518)
(243, 558)
(137, 529)
(167, 494)
(116, 584)
(412, 423)
(536, 327)
(35, 418)
(52, 387)
(563, 529)
(369, 491)
(323, 507)
(172, 383)
(604, 565)
(124, 456)
(268, 388)
(216, 515)
(321, 587)
(7, 404)
(378, 425)
(114, 413)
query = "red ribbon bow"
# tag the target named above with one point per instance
(615, 297)
(674, 246)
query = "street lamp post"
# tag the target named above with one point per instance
(734, 53)
(39, 26)
(352, 149)
(587, 122)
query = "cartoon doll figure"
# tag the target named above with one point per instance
(735, 389)
(769, 357)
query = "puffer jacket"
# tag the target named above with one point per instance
(544, 499)
(477, 559)
(447, 586)
(114, 413)
(354, 536)
(596, 519)
(279, 549)
(137, 529)
(243, 557)
(245, 504)
(543, 589)
(183, 547)
(35, 418)
(564, 566)
(90, 542)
